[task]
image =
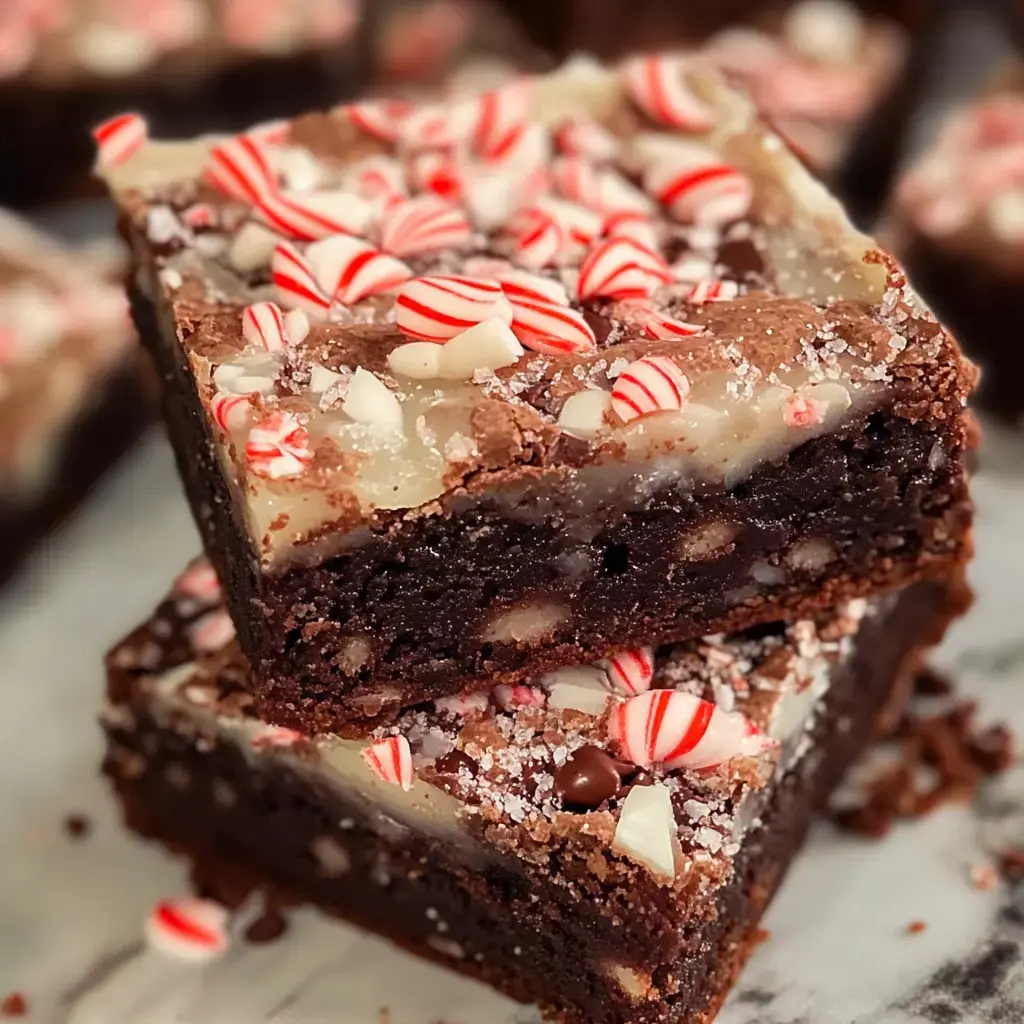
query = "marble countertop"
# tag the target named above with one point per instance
(71, 911)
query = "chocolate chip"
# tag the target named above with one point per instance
(77, 826)
(587, 779)
(992, 750)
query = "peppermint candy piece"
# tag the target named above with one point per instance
(295, 284)
(229, 411)
(630, 672)
(240, 169)
(665, 328)
(119, 139)
(712, 291)
(278, 447)
(439, 308)
(711, 193)
(212, 632)
(800, 411)
(437, 172)
(585, 414)
(263, 326)
(188, 929)
(391, 761)
(677, 730)
(274, 737)
(579, 225)
(633, 225)
(425, 224)
(586, 139)
(510, 697)
(619, 268)
(501, 120)
(383, 119)
(349, 270)
(538, 239)
(378, 178)
(551, 328)
(600, 189)
(657, 85)
(307, 218)
(649, 385)
(199, 582)
(520, 284)
(369, 400)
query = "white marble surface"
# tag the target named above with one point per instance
(71, 912)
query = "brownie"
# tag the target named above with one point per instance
(188, 65)
(74, 393)
(723, 411)
(545, 838)
(957, 220)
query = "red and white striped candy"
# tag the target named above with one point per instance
(538, 239)
(520, 284)
(391, 760)
(597, 188)
(436, 171)
(518, 696)
(200, 215)
(294, 282)
(438, 308)
(630, 672)
(587, 139)
(229, 411)
(649, 385)
(119, 139)
(425, 224)
(212, 632)
(240, 169)
(382, 119)
(378, 177)
(798, 411)
(440, 125)
(274, 737)
(665, 328)
(633, 225)
(465, 703)
(349, 269)
(502, 117)
(263, 326)
(550, 327)
(271, 133)
(711, 193)
(318, 215)
(657, 84)
(579, 225)
(278, 447)
(199, 582)
(712, 291)
(619, 268)
(188, 929)
(678, 730)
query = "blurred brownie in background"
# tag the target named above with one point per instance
(188, 65)
(72, 392)
(958, 220)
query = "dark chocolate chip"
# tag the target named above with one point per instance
(587, 779)
(77, 826)
(992, 749)
(741, 259)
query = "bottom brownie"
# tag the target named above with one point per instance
(530, 891)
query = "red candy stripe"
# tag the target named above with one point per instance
(239, 168)
(799, 411)
(229, 411)
(712, 291)
(501, 120)
(119, 139)
(519, 284)
(263, 326)
(664, 328)
(278, 446)
(586, 139)
(299, 218)
(631, 672)
(293, 279)
(349, 269)
(438, 308)
(425, 224)
(715, 194)
(651, 384)
(391, 760)
(657, 85)
(274, 737)
(199, 582)
(632, 225)
(212, 632)
(678, 730)
(619, 268)
(510, 697)
(436, 171)
(188, 929)
(550, 328)
(538, 239)
(382, 119)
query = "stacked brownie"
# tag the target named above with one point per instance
(578, 488)
(73, 396)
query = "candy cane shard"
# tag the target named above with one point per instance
(658, 86)
(650, 384)
(307, 218)
(619, 268)
(294, 283)
(424, 224)
(383, 119)
(630, 672)
(666, 328)
(278, 446)
(550, 327)
(538, 240)
(119, 139)
(188, 928)
(263, 326)
(229, 411)
(239, 168)
(438, 308)
(391, 761)
(707, 192)
(349, 270)
(678, 730)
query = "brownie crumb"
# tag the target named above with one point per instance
(14, 1005)
(916, 927)
(948, 743)
(1011, 864)
(759, 936)
(77, 826)
(268, 927)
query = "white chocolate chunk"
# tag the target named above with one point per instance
(585, 413)
(296, 326)
(252, 247)
(369, 401)
(527, 624)
(300, 170)
(646, 829)
(420, 360)
(827, 31)
(489, 345)
(577, 688)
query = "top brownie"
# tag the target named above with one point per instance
(465, 392)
